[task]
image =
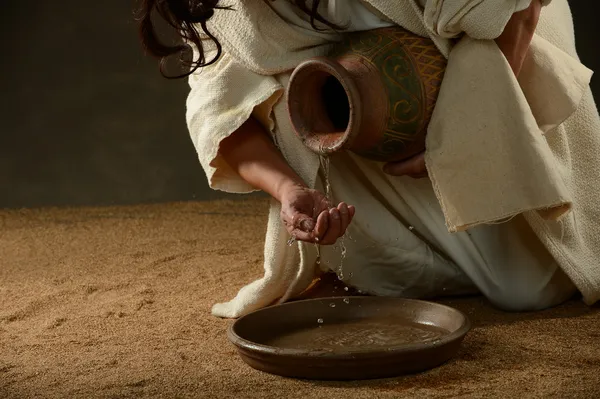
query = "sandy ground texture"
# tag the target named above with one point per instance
(114, 303)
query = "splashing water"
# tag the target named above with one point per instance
(291, 241)
(324, 160)
(325, 166)
(346, 300)
(332, 305)
(349, 236)
(320, 321)
(343, 251)
(318, 248)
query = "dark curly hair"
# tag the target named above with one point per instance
(185, 16)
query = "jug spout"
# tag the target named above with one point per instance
(373, 95)
(324, 105)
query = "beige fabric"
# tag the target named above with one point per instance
(397, 245)
(352, 15)
(262, 42)
(516, 170)
(208, 128)
(255, 37)
(451, 18)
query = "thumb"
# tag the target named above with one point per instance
(304, 223)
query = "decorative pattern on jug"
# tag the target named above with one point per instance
(411, 69)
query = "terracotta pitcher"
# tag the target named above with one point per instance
(373, 95)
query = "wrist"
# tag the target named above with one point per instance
(287, 185)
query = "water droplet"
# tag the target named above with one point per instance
(332, 305)
(349, 236)
(320, 321)
(346, 300)
(345, 288)
(318, 248)
(324, 161)
(411, 228)
(360, 292)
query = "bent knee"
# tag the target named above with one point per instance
(527, 300)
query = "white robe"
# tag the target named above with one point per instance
(425, 260)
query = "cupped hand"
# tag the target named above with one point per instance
(309, 216)
(413, 167)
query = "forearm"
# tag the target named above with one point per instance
(251, 153)
(517, 35)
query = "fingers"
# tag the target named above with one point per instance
(302, 235)
(333, 223)
(344, 217)
(333, 231)
(352, 211)
(322, 225)
(304, 223)
(302, 227)
(413, 167)
(330, 225)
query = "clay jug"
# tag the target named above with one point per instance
(373, 95)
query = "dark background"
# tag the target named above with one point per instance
(86, 119)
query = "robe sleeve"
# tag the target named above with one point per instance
(479, 19)
(488, 153)
(223, 96)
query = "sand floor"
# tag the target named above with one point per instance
(114, 303)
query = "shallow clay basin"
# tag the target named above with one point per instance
(344, 338)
